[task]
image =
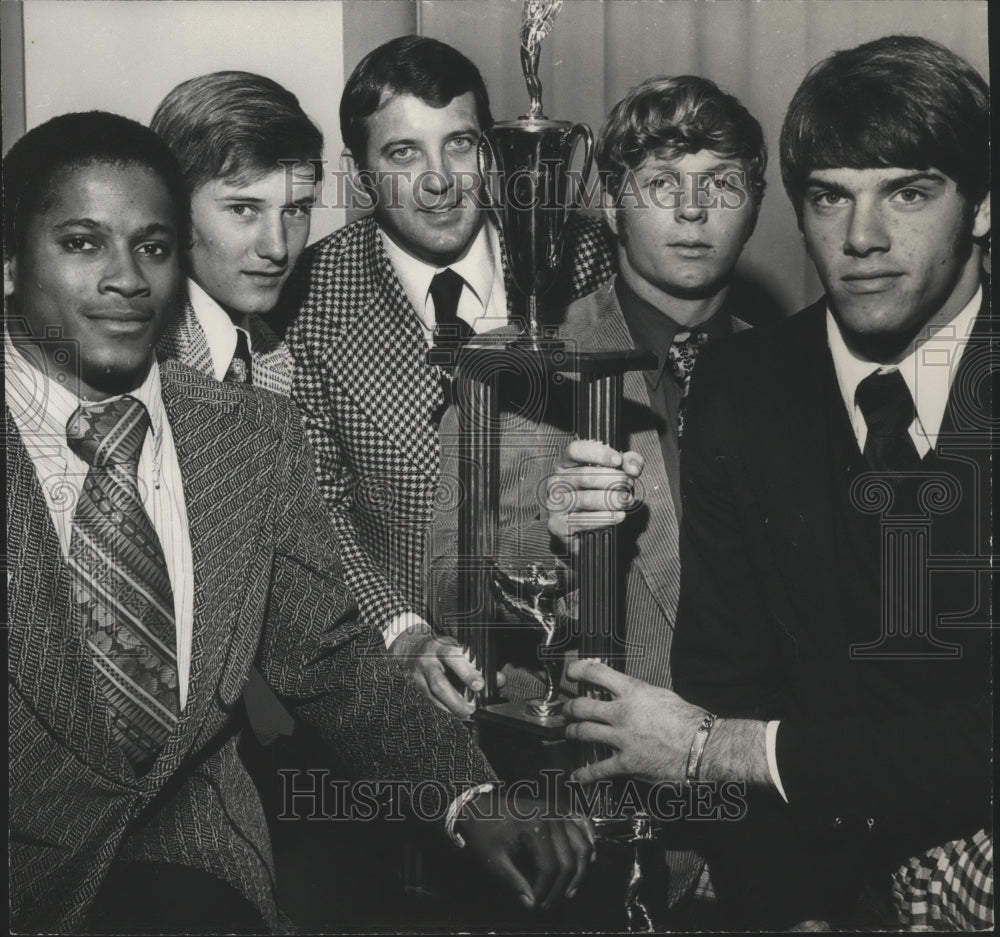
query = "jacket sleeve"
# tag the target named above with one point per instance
(334, 670)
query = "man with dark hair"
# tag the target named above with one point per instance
(252, 162)
(424, 269)
(141, 591)
(682, 164)
(836, 600)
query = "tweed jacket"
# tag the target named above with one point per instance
(185, 341)
(268, 589)
(371, 402)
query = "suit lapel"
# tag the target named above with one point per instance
(381, 360)
(185, 341)
(48, 659)
(272, 361)
(217, 440)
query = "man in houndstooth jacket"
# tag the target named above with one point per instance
(411, 114)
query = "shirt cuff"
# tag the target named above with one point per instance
(451, 817)
(771, 746)
(402, 622)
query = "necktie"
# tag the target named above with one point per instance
(120, 582)
(888, 409)
(681, 354)
(449, 330)
(240, 369)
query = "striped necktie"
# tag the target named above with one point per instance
(120, 583)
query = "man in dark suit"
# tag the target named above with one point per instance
(835, 604)
(423, 269)
(142, 590)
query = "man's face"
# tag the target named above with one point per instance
(893, 247)
(682, 224)
(98, 268)
(247, 238)
(424, 161)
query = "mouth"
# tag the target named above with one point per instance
(691, 249)
(265, 277)
(875, 281)
(127, 316)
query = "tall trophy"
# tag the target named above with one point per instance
(525, 168)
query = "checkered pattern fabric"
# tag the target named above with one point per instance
(949, 887)
(370, 401)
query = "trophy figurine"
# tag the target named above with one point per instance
(533, 594)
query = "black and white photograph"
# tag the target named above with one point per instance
(498, 466)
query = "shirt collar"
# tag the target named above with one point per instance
(928, 369)
(44, 406)
(476, 267)
(654, 330)
(219, 329)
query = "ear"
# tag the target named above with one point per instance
(9, 275)
(609, 211)
(981, 218)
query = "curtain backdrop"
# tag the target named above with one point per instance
(757, 49)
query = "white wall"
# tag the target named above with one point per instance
(125, 56)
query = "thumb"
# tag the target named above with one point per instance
(508, 873)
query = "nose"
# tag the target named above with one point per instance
(439, 175)
(866, 231)
(123, 274)
(692, 198)
(272, 240)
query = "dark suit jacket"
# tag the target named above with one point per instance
(888, 751)
(371, 402)
(268, 589)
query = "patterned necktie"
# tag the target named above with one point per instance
(449, 330)
(681, 354)
(120, 582)
(888, 409)
(240, 369)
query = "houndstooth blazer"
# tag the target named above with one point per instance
(268, 588)
(371, 402)
(185, 341)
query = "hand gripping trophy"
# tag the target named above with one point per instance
(524, 166)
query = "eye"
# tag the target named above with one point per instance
(297, 211)
(910, 196)
(403, 154)
(827, 199)
(665, 180)
(78, 244)
(461, 144)
(242, 210)
(157, 249)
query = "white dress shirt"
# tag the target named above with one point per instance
(483, 300)
(928, 371)
(41, 408)
(220, 332)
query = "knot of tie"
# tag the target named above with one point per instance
(683, 352)
(446, 288)
(888, 409)
(108, 433)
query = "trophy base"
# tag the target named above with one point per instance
(521, 746)
(519, 715)
(543, 710)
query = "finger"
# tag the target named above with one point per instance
(445, 695)
(565, 863)
(583, 853)
(589, 476)
(462, 667)
(501, 679)
(599, 770)
(632, 464)
(546, 864)
(593, 671)
(594, 732)
(589, 452)
(592, 710)
(508, 873)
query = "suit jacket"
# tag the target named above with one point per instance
(272, 364)
(268, 589)
(781, 580)
(372, 403)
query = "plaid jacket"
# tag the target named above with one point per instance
(370, 401)
(268, 588)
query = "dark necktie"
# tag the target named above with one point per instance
(240, 369)
(888, 409)
(120, 582)
(681, 354)
(449, 330)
